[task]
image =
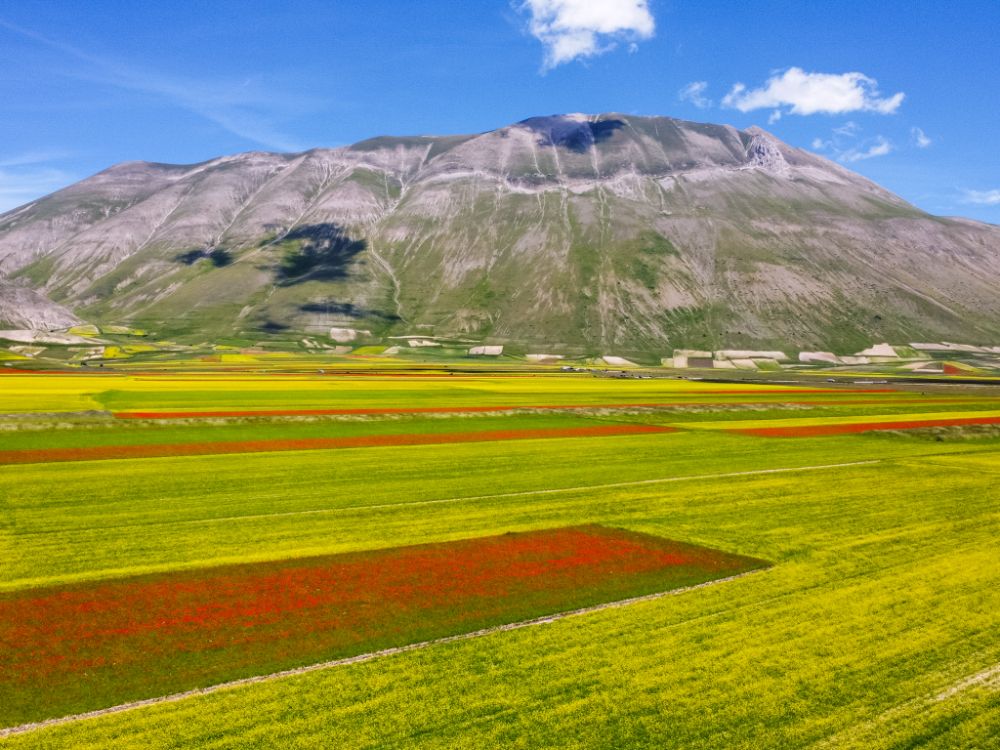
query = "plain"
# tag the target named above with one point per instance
(875, 627)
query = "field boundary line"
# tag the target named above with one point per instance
(518, 493)
(955, 465)
(550, 491)
(897, 713)
(363, 658)
(985, 677)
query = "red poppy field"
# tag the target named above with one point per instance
(101, 452)
(78, 648)
(822, 430)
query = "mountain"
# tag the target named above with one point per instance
(599, 233)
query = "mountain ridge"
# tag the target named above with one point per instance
(585, 231)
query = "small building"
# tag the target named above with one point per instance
(486, 350)
(684, 358)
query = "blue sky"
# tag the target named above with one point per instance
(905, 92)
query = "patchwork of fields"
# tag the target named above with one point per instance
(163, 532)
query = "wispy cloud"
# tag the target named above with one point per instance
(982, 197)
(848, 130)
(243, 109)
(879, 147)
(19, 186)
(694, 92)
(920, 138)
(844, 147)
(577, 29)
(841, 138)
(800, 93)
(29, 174)
(27, 158)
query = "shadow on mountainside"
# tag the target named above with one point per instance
(346, 309)
(317, 252)
(218, 257)
(568, 133)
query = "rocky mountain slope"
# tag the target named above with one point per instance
(606, 232)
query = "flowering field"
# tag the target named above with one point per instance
(167, 393)
(853, 428)
(73, 649)
(159, 450)
(470, 501)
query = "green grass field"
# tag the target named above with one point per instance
(876, 626)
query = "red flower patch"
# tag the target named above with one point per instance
(99, 452)
(819, 430)
(78, 648)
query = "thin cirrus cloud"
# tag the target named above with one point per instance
(848, 130)
(578, 29)
(28, 158)
(982, 197)
(839, 136)
(798, 92)
(879, 147)
(694, 92)
(242, 109)
(843, 144)
(20, 185)
(26, 175)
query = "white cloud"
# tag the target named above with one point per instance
(574, 29)
(814, 93)
(982, 197)
(774, 117)
(920, 138)
(880, 147)
(819, 144)
(694, 92)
